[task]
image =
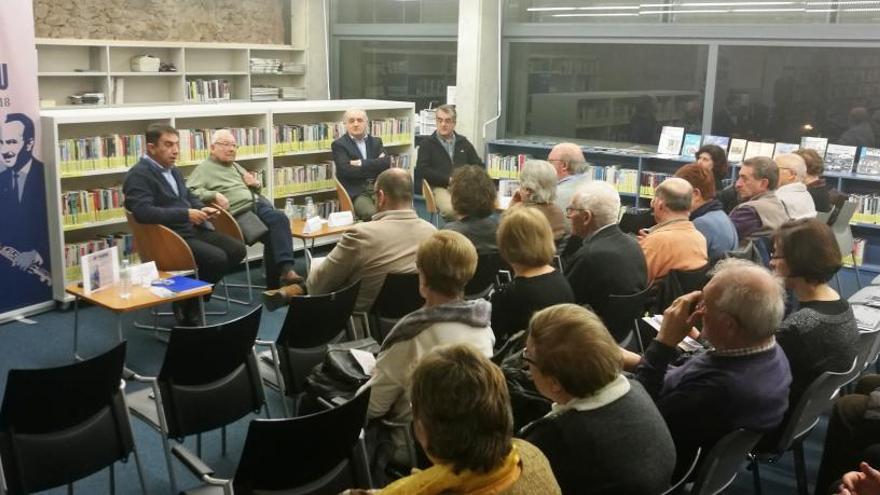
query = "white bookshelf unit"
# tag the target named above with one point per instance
(69, 67)
(89, 174)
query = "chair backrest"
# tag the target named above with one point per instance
(58, 425)
(428, 194)
(681, 481)
(158, 243)
(841, 228)
(679, 282)
(484, 277)
(312, 453)
(225, 223)
(869, 345)
(635, 219)
(311, 323)
(398, 297)
(817, 399)
(622, 311)
(342, 196)
(209, 377)
(720, 465)
(823, 216)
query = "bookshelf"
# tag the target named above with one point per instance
(68, 67)
(416, 75)
(77, 144)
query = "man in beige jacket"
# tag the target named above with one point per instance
(369, 250)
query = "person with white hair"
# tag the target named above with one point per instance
(537, 188)
(228, 185)
(792, 190)
(742, 381)
(359, 158)
(570, 164)
(608, 261)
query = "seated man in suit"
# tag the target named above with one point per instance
(370, 250)
(156, 193)
(608, 261)
(225, 183)
(441, 154)
(359, 159)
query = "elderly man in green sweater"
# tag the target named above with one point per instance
(230, 186)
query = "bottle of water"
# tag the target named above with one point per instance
(289, 209)
(125, 280)
(311, 210)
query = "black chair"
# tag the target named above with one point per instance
(678, 283)
(312, 322)
(817, 399)
(690, 470)
(59, 425)
(719, 467)
(398, 297)
(209, 379)
(635, 219)
(484, 279)
(622, 314)
(315, 454)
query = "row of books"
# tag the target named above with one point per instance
(275, 66)
(392, 130)
(272, 93)
(650, 181)
(303, 178)
(858, 253)
(200, 90)
(96, 205)
(305, 137)
(867, 208)
(85, 154)
(195, 144)
(74, 251)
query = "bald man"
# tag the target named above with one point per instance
(228, 185)
(792, 190)
(674, 243)
(570, 165)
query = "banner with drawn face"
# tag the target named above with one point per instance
(24, 234)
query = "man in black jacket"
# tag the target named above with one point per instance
(440, 154)
(155, 192)
(359, 159)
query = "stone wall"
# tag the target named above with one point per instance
(235, 21)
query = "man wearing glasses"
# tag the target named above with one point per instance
(792, 190)
(228, 185)
(440, 154)
(570, 164)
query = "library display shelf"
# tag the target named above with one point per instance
(87, 151)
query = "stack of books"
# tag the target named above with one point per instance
(265, 65)
(292, 93)
(264, 93)
(87, 99)
(292, 68)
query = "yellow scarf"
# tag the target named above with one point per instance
(440, 478)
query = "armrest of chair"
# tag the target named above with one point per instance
(263, 343)
(331, 403)
(196, 466)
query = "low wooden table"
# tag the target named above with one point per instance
(140, 298)
(296, 230)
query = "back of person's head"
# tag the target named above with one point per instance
(539, 178)
(573, 156)
(396, 184)
(525, 237)
(599, 198)
(699, 178)
(573, 346)
(720, 165)
(809, 249)
(793, 162)
(814, 162)
(750, 294)
(461, 401)
(447, 261)
(676, 194)
(473, 192)
(155, 131)
(764, 168)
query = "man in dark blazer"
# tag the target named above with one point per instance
(608, 261)
(359, 159)
(24, 234)
(155, 192)
(440, 154)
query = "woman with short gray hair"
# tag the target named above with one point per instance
(537, 188)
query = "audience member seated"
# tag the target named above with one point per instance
(359, 159)
(441, 154)
(608, 261)
(156, 193)
(474, 200)
(526, 244)
(462, 419)
(707, 214)
(537, 188)
(792, 191)
(674, 243)
(714, 159)
(446, 261)
(760, 212)
(743, 382)
(822, 334)
(570, 164)
(370, 250)
(816, 185)
(599, 417)
(222, 181)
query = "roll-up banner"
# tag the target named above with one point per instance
(25, 280)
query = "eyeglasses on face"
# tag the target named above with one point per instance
(571, 209)
(225, 144)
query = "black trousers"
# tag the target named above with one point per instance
(216, 254)
(277, 243)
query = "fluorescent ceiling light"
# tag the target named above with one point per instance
(799, 9)
(548, 9)
(845, 2)
(862, 10)
(611, 7)
(734, 4)
(706, 11)
(818, 11)
(605, 14)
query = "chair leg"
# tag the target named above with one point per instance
(756, 474)
(140, 470)
(638, 332)
(166, 443)
(199, 445)
(229, 299)
(112, 478)
(856, 268)
(70, 489)
(223, 440)
(800, 468)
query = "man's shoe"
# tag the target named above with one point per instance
(289, 277)
(274, 299)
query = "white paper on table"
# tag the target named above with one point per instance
(340, 219)
(366, 360)
(313, 225)
(143, 274)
